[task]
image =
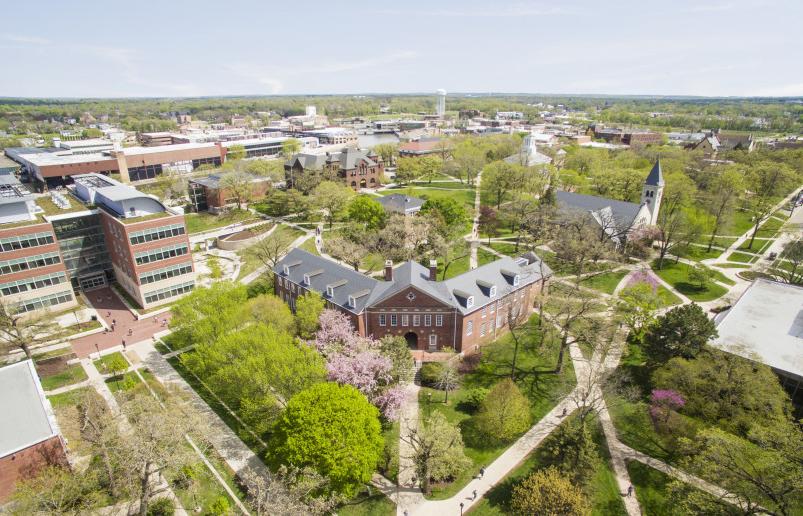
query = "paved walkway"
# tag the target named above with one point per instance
(231, 448)
(746, 236)
(475, 225)
(408, 493)
(112, 310)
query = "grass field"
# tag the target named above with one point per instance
(667, 297)
(309, 246)
(677, 275)
(759, 245)
(719, 241)
(103, 362)
(543, 391)
(204, 221)
(700, 252)
(462, 195)
(737, 256)
(461, 265)
(605, 282)
(72, 374)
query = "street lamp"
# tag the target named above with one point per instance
(461, 508)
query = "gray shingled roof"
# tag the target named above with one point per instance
(308, 161)
(349, 158)
(656, 177)
(623, 213)
(369, 291)
(400, 203)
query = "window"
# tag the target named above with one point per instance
(168, 292)
(330, 291)
(484, 312)
(482, 329)
(405, 320)
(469, 328)
(416, 320)
(26, 284)
(286, 270)
(438, 320)
(470, 301)
(306, 279)
(163, 253)
(15, 243)
(352, 302)
(29, 262)
(516, 280)
(427, 320)
(149, 235)
(165, 273)
(492, 291)
(433, 341)
(382, 320)
(44, 302)
(393, 320)
(498, 321)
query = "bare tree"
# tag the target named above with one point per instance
(237, 184)
(270, 249)
(448, 380)
(288, 492)
(24, 330)
(99, 428)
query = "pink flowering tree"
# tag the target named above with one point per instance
(358, 361)
(663, 403)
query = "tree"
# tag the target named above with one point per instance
(255, 370)
(663, 403)
(763, 471)
(437, 450)
(290, 147)
(682, 332)
(208, 313)
(235, 152)
(237, 184)
(274, 169)
(271, 311)
(721, 198)
(572, 316)
(572, 450)
(448, 380)
(700, 274)
(395, 348)
(517, 213)
(334, 430)
(500, 178)
(429, 167)
(767, 182)
(470, 159)
(24, 330)
(99, 428)
(504, 413)
(333, 198)
(308, 310)
(388, 153)
(550, 493)
(407, 170)
(56, 490)
(676, 225)
(451, 212)
(488, 222)
(156, 442)
(367, 211)
(270, 249)
(790, 270)
(636, 307)
(288, 491)
(725, 389)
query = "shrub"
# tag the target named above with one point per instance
(219, 506)
(547, 491)
(430, 373)
(474, 399)
(161, 507)
(504, 413)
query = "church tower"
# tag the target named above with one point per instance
(653, 191)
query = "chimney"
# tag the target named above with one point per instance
(388, 270)
(433, 270)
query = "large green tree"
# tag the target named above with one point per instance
(768, 182)
(550, 493)
(682, 332)
(333, 429)
(308, 310)
(438, 452)
(208, 313)
(367, 211)
(332, 198)
(504, 413)
(720, 199)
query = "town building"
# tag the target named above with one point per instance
(354, 167)
(765, 325)
(620, 136)
(401, 204)
(423, 147)
(210, 193)
(55, 165)
(8, 166)
(716, 141)
(30, 438)
(617, 219)
(330, 135)
(461, 313)
(82, 238)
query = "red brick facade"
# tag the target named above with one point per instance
(27, 462)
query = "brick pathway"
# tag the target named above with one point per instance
(110, 308)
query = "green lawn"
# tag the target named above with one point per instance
(737, 256)
(122, 383)
(72, 374)
(741, 222)
(66, 399)
(461, 265)
(605, 282)
(759, 245)
(667, 297)
(770, 227)
(506, 248)
(699, 253)
(103, 362)
(602, 490)
(250, 260)
(375, 504)
(730, 265)
(204, 221)
(676, 274)
(543, 391)
(719, 241)
(463, 195)
(651, 490)
(309, 246)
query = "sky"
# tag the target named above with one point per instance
(167, 48)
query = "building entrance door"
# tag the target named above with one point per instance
(412, 340)
(93, 281)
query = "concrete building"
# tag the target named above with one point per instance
(30, 438)
(331, 135)
(8, 166)
(461, 313)
(766, 325)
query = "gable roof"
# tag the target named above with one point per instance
(400, 203)
(350, 157)
(620, 213)
(308, 161)
(656, 176)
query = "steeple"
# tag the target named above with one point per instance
(656, 177)
(653, 190)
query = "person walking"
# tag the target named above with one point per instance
(564, 412)
(123, 344)
(475, 494)
(482, 472)
(630, 490)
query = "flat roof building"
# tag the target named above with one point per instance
(766, 325)
(30, 438)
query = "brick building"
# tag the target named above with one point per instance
(461, 313)
(356, 168)
(30, 438)
(210, 194)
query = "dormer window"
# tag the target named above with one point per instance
(330, 291)
(492, 291)
(306, 279)
(286, 270)
(469, 301)
(352, 302)
(516, 280)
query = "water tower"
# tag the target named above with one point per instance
(440, 103)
